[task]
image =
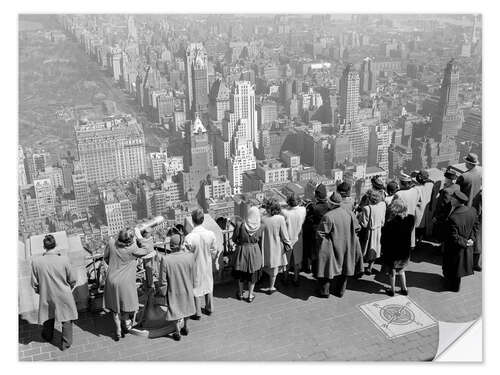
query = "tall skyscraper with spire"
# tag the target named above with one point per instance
(447, 120)
(349, 98)
(196, 79)
(198, 157)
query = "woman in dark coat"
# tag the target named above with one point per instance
(120, 290)
(460, 234)
(248, 256)
(396, 243)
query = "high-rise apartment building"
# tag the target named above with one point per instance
(267, 112)
(111, 149)
(196, 79)
(471, 130)
(349, 97)
(81, 189)
(378, 147)
(45, 194)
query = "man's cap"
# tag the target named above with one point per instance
(335, 198)
(451, 174)
(404, 177)
(321, 191)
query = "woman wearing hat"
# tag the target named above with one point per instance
(460, 230)
(120, 290)
(372, 219)
(412, 197)
(248, 255)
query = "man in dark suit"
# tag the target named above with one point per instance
(443, 204)
(471, 182)
(460, 233)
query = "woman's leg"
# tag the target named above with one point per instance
(118, 327)
(370, 265)
(251, 287)
(240, 287)
(402, 278)
(392, 280)
(272, 277)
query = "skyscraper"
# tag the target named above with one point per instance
(349, 97)
(196, 79)
(447, 121)
(198, 158)
(81, 188)
(45, 197)
(111, 149)
(378, 147)
(219, 100)
(22, 179)
(367, 79)
(243, 106)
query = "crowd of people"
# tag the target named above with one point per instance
(332, 238)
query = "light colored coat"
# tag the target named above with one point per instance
(294, 218)
(52, 279)
(423, 211)
(377, 214)
(274, 233)
(201, 242)
(413, 200)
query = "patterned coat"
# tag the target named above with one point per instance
(52, 279)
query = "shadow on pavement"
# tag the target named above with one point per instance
(303, 291)
(429, 281)
(427, 252)
(98, 325)
(365, 285)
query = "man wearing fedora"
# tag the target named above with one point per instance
(471, 182)
(460, 231)
(443, 204)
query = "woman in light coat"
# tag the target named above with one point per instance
(120, 290)
(372, 219)
(295, 216)
(274, 239)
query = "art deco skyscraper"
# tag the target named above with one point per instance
(243, 107)
(349, 97)
(196, 79)
(447, 120)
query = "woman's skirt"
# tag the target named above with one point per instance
(248, 258)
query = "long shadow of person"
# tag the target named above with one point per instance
(29, 332)
(96, 324)
(427, 252)
(429, 281)
(365, 285)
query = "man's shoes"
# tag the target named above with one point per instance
(205, 311)
(390, 292)
(403, 292)
(270, 291)
(184, 331)
(116, 336)
(177, 337)
(320, 295)
(65, 347)
(339, 295)
(368, 272)
(477, 268)
(195, 317)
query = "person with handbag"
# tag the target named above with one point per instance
(371, 218)
(174, 289)
(275, 242)
(247, 259)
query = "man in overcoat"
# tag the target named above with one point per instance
(174, 291)
(460, 233)
(339, 251)
(443, 205)
(314, 213)
(471, 182)
(201, 242)
(52, 279)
